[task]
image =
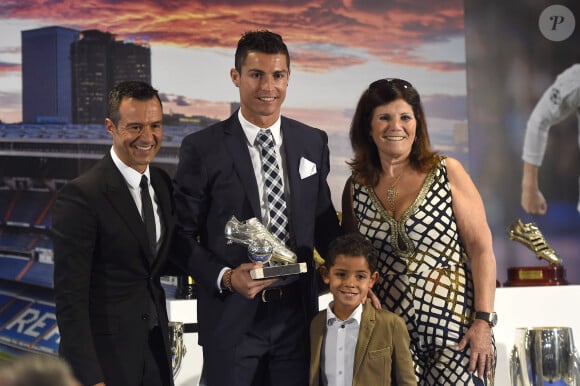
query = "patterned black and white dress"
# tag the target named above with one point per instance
(425, 274)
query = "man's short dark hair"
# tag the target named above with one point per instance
(352, 244)
(263, 41)
(130, 89)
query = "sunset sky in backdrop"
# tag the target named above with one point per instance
(337, 48)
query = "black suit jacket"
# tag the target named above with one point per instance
(105, 274)
(215, 180)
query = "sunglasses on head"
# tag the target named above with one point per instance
(390, 82)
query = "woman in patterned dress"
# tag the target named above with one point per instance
(425, 216)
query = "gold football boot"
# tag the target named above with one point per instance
(530, 235)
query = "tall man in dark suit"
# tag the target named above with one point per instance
(254, 332)
(112, 228)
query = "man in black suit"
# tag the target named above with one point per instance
(254, 332)
(110, 305)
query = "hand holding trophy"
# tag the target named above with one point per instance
(263, 248)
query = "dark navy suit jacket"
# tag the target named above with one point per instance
(214, 181)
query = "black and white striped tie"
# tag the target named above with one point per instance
(274, 188)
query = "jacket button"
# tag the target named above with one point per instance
(145, 317)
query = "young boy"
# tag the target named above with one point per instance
(352, 343)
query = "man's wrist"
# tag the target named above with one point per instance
(227, 280)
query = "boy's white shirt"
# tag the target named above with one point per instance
(339, 345)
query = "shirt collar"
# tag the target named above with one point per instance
(252, 130)
(354, 317)
(132, 176)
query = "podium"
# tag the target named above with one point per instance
(185, 311)
(536, 276)
(541, 306)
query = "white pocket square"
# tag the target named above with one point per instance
(307, 168)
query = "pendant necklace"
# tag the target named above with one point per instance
(393, 194)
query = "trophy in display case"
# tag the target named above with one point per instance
(178, 349)
(544, 356)
(553, 274)
(263, 248)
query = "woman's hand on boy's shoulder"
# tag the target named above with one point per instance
(374, 299)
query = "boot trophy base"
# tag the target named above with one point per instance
(536, 276)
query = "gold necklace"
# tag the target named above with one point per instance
(393, 194)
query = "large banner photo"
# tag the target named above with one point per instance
(523, 82)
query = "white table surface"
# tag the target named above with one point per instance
(548, 306)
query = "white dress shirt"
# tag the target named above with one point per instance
(133, 179)
(337, 361)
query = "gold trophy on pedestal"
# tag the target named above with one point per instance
(530, 235)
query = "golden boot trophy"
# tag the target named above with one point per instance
(530, 235)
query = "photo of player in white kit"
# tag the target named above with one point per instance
(558, 102)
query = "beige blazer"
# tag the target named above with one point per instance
(382, 354)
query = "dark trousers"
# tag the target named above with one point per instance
(156, 371)
(275, 352)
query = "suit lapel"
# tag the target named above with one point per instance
(318, 332)
(294, 149)
(368, 320)
(236, 142)
(164, 203)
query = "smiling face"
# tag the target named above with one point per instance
(137, 136)
(349, 279)
(263, 81)
(393, 129)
